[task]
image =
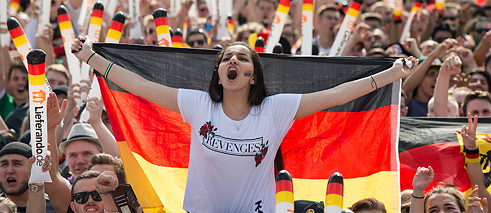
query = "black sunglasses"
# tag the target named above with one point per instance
(83, 197)
(200, 42)
(453, 18)
(482, 30)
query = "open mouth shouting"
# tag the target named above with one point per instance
(232, 73)
(11, 181)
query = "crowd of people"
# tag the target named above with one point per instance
(451, 78)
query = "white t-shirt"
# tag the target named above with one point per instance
(231, 163)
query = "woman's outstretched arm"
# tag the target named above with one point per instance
(341, 94)
(159, 94)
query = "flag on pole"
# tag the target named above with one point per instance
(154, 141)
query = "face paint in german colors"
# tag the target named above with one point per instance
(334, 194)
(284, 192)
(38, 94)
(278, 24)
(307, 25)
(346, 28)
(162, 27)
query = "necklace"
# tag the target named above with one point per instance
(237, 124)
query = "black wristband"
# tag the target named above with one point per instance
(417, 196)
(90, 58)
(471, 152)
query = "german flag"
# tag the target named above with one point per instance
(435, 142)
(358, 139)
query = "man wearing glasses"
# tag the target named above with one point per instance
(85, 197)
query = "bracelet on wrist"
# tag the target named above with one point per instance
(90, 57)
(416, 197)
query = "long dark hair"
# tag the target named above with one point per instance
(257, 91)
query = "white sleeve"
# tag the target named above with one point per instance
(190, 102)
(284, 109)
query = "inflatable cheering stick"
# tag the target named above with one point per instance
(259, 46)
(334, 194)
(116, 28)
(162, 27)
(284, 192)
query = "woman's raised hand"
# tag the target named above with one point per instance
(405, 66)
(82, 48)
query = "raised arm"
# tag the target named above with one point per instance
(160, 94)
(414, 79)
(421, 180)
(58, 190)
(482, 49)
(341, 94)
(472, 157)
(108, 142)
(450, 66)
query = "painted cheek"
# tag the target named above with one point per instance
(248, 73)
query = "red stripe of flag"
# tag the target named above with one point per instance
(335, 188)
(97, 13)
(161, 21)
(331, 139)
(36, 69)
(417, 5)
(308, 1)
(442, 157)
(284, 185)
(116, 25)
(63, 17)
(14, 33)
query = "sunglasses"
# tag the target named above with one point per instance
(83, 197)
(452, 18)
(200, 42)
(482, 30)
